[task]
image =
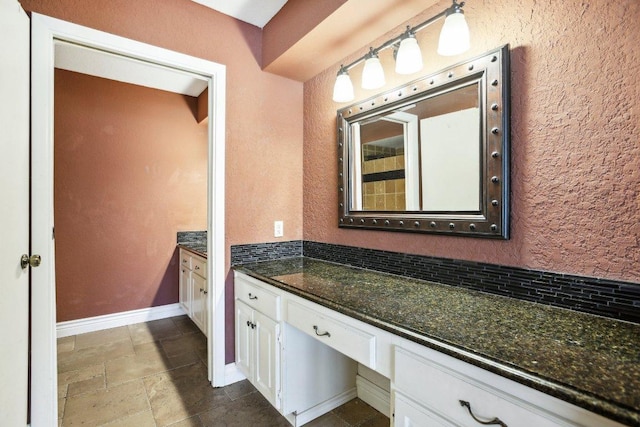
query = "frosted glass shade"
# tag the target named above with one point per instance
(343, 89)
(454, 37)
(372, 74)
(409, 57)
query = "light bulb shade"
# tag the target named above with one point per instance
(343, 89)
(454, 37)
(409, 57)
(372, 74)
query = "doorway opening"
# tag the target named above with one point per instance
(96, 53)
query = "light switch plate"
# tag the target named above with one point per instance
(278, 228)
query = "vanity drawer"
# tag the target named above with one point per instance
(439, 389)
(199, 266)
(257, 297)
(348, 340)
(185, 259)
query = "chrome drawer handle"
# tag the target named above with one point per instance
(252, 296)
(327, 334)
(496, 420)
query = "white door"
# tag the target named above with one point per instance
(14, 212)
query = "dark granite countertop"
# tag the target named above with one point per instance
(591, 361)
(198, 249)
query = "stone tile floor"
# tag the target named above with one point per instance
(154, 374)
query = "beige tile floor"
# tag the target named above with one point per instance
(154, 374)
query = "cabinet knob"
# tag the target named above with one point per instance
(251, 296)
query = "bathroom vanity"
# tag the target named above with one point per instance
(193, 287)
(454, 357)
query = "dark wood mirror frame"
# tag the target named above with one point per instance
(491, 72)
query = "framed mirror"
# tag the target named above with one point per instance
(431, 156)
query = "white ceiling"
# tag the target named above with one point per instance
(256, 12)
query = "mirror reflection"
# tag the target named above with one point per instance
(442, 171)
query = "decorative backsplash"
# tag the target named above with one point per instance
(244, 254)
(609, 298)
(187, 237)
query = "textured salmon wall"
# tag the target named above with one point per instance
(264, 111)
(575, 167)
(130, 172)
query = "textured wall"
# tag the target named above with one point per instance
(130, 171)
(575, 139)
(264, 111)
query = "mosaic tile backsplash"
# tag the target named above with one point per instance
(609, 298)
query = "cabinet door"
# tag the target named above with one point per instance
(198, 301)
(267, 357)
(244, 347)
(410, 414)
(185, 289)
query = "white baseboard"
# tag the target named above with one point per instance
(232, 374)
(322, 408)
(98, 323)
(373, 395)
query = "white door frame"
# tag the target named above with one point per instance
(44, 32)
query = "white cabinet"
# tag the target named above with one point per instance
(257, 351)
(185, 287)
(301, 377)
(257, 338)
(303, 357)
(411, 414)
(323, 326)
(431, 388)
(199, 301)
(193, 288)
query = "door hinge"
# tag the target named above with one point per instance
(53, 233)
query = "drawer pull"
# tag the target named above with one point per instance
(496, 420)
(252, 296)
(251, 324)
(327, 334)
(197, 267)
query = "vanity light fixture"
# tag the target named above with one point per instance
(454, 37)
(454, 40)
(408, 55)
(372, 73)
(343, 89)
